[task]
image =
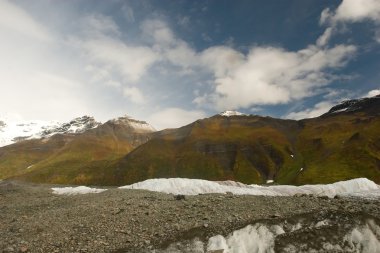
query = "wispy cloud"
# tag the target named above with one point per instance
(174, 117)
(349, 11)
(317, 110)
(134, 94)
(15, 20)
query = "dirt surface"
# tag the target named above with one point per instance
(35, 220)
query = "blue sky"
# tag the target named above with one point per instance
(172, 62)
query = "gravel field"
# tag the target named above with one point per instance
(35, 220)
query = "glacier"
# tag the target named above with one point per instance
(184, 186)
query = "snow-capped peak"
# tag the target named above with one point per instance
(77, 125)
(354, 104)
(17, 130)
(14, 129)
(133, 123)
(231, 113)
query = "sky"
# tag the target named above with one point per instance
(172, 62)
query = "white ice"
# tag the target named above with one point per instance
(76, 190)
(359, 186)
(259, 238)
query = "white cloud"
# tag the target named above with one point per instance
(325, 37)
(268, 75)
(357, 10)
(174, 117)
(100, 41)
(265, 75)
(377, 35)
(113, 83)
(128, 13)
(99, 25)
(316, 111)
(42, 93)
(14, 19)
(134, 94)
(326, 15)
(131, 61)
(183, 21)
(160, 32)
(222, 60)
(34, 79)
(373, 93)
(350, 11)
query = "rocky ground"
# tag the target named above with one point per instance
(35, 220)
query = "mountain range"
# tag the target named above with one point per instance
(342, 144)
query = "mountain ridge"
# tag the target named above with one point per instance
(16, 131)
(337, 146)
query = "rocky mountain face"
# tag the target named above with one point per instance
(78, 152)
(339, 145)
(368, 105)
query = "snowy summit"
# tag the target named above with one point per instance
(231, 113)
(133, 123)
(12, 130)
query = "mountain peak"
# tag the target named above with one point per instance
(353, 105)
(77, 125)
(231, 113)
(17, 130)
(135, 124)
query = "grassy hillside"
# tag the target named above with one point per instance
(71, 159)
(339, 148)
(249, 149)
(340, 145)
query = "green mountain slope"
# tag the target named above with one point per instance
(72, 158)
(342, 144)
(339, 145)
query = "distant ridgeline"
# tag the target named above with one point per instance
(342, 144)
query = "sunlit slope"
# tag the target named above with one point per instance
(340, 145)
(250, 149)
(71, 159)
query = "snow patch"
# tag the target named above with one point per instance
(370, 194)
(231, 113)
(260, 238)
(76, 190)
(133, 123)
(256, 238)
(184, 186)
(365, 239)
